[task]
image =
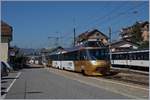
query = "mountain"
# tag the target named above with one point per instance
(28, 51)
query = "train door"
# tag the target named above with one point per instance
(60, 60)
(85, 65)
(129, 60)
(78, 61)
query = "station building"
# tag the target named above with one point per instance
(93, 35)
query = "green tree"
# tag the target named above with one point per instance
(144, 45)
(136, 34)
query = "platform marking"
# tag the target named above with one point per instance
(7, 90)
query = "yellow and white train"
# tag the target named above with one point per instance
(88, 60)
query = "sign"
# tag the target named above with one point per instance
(12, 53)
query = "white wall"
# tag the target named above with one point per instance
(4, 52)
(126, 45)
(129, 45)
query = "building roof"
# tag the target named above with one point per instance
(128, 30)
(86, 34)
(93, 31)
(144, 23)
(122, 42)
(6, 29)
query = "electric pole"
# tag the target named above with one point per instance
(74, 36)
(110, 42)
(110, 35)
(74, 32)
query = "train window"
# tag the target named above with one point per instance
(52, 56)
(55, 57)
(70, 56)
(134, 57)
(60, 56)
(138, 56)
(120, 56)
(130, 56)
(141, 55)
(113, 56)
(74, 55)
(83, 55)
(65, 56)
(126, 56)
(117, 56)
(98, 54)
(78, 55)
(146, 56)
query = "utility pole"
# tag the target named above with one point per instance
(74, 32)
(74, 36)
(110, 35)
(57, 40)
(110, 42)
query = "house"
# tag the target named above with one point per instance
(123, 45)
(94, 35)
(127, 33)
(6, 38)
(145, 31)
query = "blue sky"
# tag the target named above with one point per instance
(33, 22)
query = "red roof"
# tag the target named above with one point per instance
(86, 34)
(6, 30)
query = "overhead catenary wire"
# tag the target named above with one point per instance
(105, 19)
(98, 18)
(102, 17)
(117, 15)
(116, 22)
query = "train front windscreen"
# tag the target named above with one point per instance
(98, 54)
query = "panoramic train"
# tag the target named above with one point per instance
(87, 60)
(135, 59)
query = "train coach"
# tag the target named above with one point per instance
(134, 59)
(88, 60)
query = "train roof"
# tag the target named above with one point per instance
(80, 47)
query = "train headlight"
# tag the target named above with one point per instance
(93, 62)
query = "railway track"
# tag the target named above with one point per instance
(128, 76)
(124, 75)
